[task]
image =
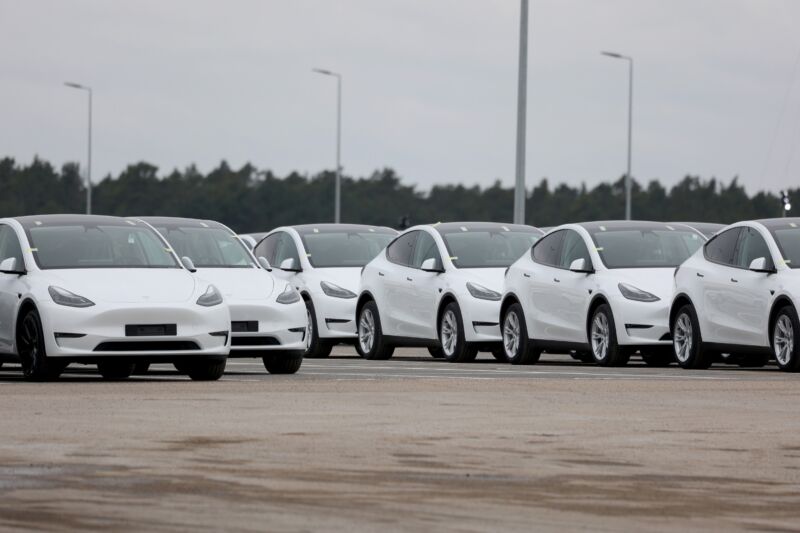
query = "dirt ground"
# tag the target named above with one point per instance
(404, 454)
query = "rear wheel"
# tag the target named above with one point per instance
(499, 354)
(436, 352)
(451, 336)
(603, 339)
(282, 363)
(687, 342)
(518, 349)
(658, 356)
(205, 370)
(315, 347)
(31, 350)
(371, 343)
(115, 370)
(784, 330)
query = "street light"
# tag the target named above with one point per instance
(89, 157)
(630, 128)
(787, 204)
(522, 106)
(338, 189)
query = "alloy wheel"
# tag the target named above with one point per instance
(511, 335)
(682, 337)
(600, 336)
(449, 333)
(366, 331)
(783, 340)
(309, 330)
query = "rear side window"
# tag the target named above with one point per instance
(400, 250)
(721, 248)
(547, 250)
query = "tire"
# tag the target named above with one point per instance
(115, 370)
(582, 356)
(36, 366)
(141, 368)
(455, 347)
(499, 354)
(436, 353)
(182, 367)
(282, 363)
(603, 339)
(316, 348)
(205, 370)
(687, 342)
(370, 343)
(658, 356)
(518, 349)
(784, 330)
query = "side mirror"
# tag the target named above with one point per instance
(9, 266)
(429, 265)
(759, 264)
(264, 263)
(188, 264)
(289, 265)
(579, 265)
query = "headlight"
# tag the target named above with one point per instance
(336, 291)
(481, 292)
(288, 296)
(633, 293)
(64, 297)
(210, 298)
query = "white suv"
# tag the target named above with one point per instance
(737, 296)
(439, 286)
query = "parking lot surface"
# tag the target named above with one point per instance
(407, 444)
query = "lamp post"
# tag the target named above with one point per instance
(522, 106)
(338, 186)
(630, 128)
(787, 204)
(89, 156)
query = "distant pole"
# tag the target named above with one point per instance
(89, 147)
(628, 183)
(337, 209)
(522, 88)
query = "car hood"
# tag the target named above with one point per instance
(658, 281)
(127, 285)
(240, 283)
(345, 277)
(491, 278)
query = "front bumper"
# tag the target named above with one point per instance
(274, 327)
(336, 317)
(99, 331)
(481, 320)
(641, 323)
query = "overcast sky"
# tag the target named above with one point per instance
(429, 86)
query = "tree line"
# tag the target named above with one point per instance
(249, 200)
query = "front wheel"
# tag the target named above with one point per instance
(282, 364)
(204, 370)
(371, 343)
(36, 365)
(436, 352)
(687, 342)
(115, 370)
(316, 348)
(603, 339)
(517, 347)
(451, 336)
(783, 345)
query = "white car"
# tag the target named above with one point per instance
(708, 229)
(251, 239)
(602, 289)
(738, 296)
(323, 262)
(268, 318)
(104, 290)
(439, 286)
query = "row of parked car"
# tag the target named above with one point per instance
(123, 293)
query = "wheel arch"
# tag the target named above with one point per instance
(679, 301)
(596, 302)
(26, 305)
(509, 300)
(363, 298)
(443, 302)
(779, 303)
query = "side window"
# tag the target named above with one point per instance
(9, 246)
(573, 248)
(546, 250)
(751, 246)
(425, 249)
(267, 247)
(720, 249)
(400, 250)
(286, 249)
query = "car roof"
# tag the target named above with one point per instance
(70, 219)
(448, 227)
(779, 223)
(182, 222)
(308, 228)
(620, 225)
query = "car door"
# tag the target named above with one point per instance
(425, 288)
(572, 290)
(284, 248)
(716, 322)
(397, 293)
(10, 286)
(750, 294)
(543, 289)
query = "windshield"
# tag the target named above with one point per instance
(487, 248)
(208, 247)
(645, 248)
(89, 246)
(788, 240)
(344, 248)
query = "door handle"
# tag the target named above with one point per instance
(526, 275)
(557, 280)
(381, 274)
(409, 279)
(734, 280)
(699, 275)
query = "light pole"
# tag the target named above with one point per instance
(522, 89)
(630, 128)
(787, 204)
(89, 157)
(337, 209)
